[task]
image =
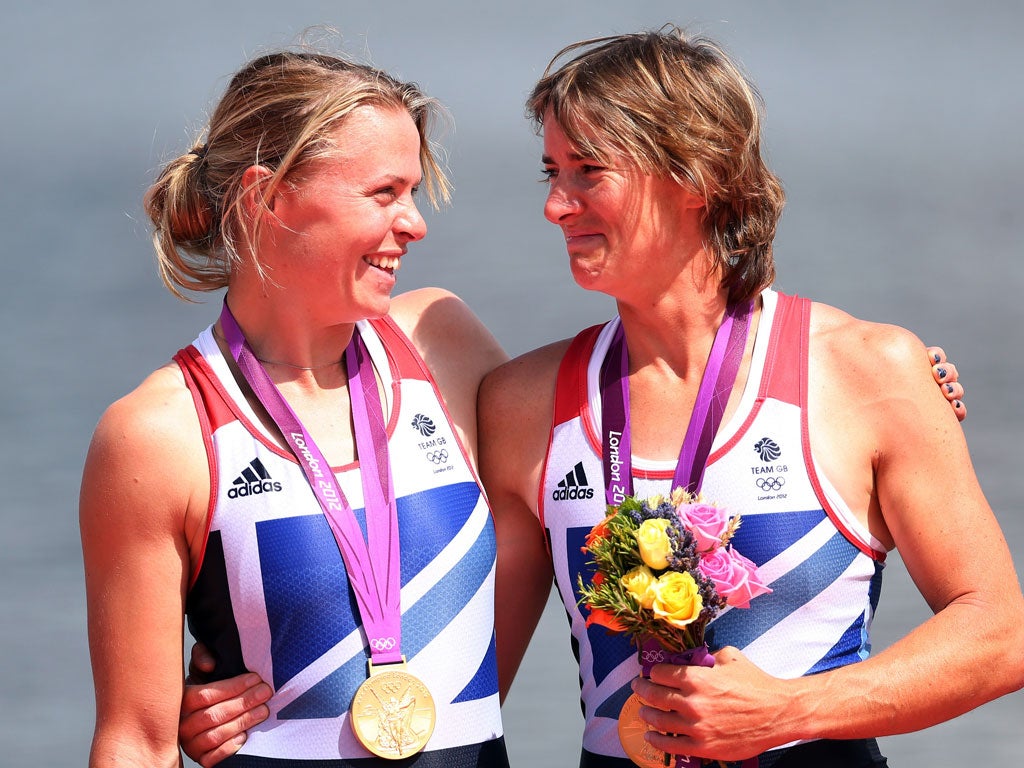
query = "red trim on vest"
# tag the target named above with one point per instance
(571, 392)
(784, 378)
(780, 379)
(217, 403)
(210, 399)
(799, 322)
(406, 363)
(194, 388)
(571, 400)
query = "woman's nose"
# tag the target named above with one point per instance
(562, 202)
(411, 223)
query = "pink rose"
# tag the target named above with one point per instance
(707, 522)
(735, 577)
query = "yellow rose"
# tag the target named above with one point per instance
(676, 599)
(654, 544)
(638, 583)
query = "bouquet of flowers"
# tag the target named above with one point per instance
(665, 569)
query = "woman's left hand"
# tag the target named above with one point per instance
(946, 376)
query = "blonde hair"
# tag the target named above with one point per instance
(277, 112)
(677, 108)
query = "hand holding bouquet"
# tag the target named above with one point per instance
(665, 569)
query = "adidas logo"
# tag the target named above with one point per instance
(573, 486)
(254, 480)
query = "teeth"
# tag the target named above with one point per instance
(384, 262)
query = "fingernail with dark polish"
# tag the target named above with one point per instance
(937, 358)
(949, 388)
(941, 372)
(957, 404)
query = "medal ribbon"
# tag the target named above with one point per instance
(372, 563)
(715, 387)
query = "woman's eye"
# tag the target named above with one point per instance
(547, 174)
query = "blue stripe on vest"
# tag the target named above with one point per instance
(609, 649)
(485, 681)
(332, 696)
(854, 645)
(612, 706)
(846, 651)
(741, 626)
(301, 566)
(764, 537)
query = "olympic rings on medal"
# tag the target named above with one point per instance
(383, 643)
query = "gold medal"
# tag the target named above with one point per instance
(393, 713)
(631, 734)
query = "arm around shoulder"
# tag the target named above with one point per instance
(456, 347)
(515, 410)
(135, 502)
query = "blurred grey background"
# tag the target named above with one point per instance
(894, 126)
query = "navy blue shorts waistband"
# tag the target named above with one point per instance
(490, 754)
(833, 753)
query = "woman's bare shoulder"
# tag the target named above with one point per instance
(147, 449)
(857, 346)
(151, 416)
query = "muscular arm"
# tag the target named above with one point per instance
(908, 472)
(515, 412)
(935, 513)
(134, 512)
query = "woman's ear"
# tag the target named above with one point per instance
(255, 187)
(691, 198)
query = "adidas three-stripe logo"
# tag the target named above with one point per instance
(573, 486)
(253, 480)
